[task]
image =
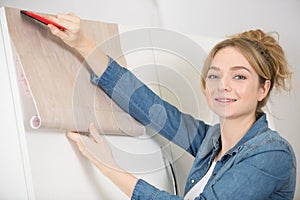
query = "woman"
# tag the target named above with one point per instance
(239, 158)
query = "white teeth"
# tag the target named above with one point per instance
(226, 100)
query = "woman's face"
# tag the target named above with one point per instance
(232, 86)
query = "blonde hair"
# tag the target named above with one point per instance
(264, 54)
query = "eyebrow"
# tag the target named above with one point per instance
(231, 69)
(239, 68)
(214, 68)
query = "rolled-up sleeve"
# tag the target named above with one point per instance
(110, 77)
(144, 190)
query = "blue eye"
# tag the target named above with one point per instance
(212, 76)
(240, 77)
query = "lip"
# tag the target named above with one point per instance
(225, 100)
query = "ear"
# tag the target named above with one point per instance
(264, 90)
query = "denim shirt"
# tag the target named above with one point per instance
(262, 165)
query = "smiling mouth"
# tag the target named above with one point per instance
(225, 100)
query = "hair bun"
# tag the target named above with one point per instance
(273, 53)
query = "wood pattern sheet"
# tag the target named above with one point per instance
(59, 80)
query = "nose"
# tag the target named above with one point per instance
(224, 84)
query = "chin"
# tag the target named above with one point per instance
(220, 112)
(224, 115)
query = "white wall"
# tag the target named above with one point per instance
(209, 18)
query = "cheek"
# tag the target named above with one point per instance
(212, 85)
(248, 93)
(208, 95)
(207, 91)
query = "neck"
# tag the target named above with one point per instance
(232, 131)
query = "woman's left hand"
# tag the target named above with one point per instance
(95, 148)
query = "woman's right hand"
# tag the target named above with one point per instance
(73, 36)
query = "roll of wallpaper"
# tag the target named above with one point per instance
(57, 81)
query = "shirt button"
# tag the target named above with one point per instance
(192, 180)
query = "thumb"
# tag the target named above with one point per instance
(73, 136)
(95, 134)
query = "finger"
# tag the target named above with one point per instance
(59, 33)
(96, 136)
(71, 23)
(49, 17)
(94, 133)
(52, 18)
(99, 154)
(82, 143)
(72, 17)
(70, 26)
(93, 150)
(74, 136)
(54, 30)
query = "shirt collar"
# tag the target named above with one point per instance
(258, 127)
